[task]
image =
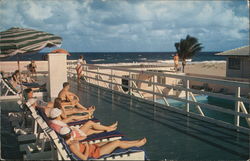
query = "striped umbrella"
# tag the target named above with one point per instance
(21, 40)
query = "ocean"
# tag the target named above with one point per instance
(122, 57)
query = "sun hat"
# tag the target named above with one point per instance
(64, 131)
(55, 112)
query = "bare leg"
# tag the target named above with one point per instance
(111, 146)
(95, 126)
(128, 142)
(91, 131)
(80, 106)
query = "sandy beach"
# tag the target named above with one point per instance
(209, 68)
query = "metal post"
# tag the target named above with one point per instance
(187, 95)
(111, 79)
(129, 84)
(98, 83)
(154, 96)
(237, 107)
(86, 69)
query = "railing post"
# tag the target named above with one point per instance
(187, 95)
(129, 84)
(86, 69)
(154, 96)
(111, 79)
(237, 107)
(98, 83)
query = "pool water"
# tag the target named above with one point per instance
(207, 112)
(170, 135)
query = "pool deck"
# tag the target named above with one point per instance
(170, 135)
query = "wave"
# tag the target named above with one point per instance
(96, 60)
(158, 62)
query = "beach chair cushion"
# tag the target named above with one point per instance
(103, 135)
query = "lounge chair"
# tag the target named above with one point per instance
(133, 153)
(12, 92)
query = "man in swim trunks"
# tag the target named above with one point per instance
(70, 98)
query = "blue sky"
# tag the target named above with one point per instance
(132, 25)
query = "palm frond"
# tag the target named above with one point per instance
(188, 47)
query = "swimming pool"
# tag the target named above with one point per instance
(170, 135)
(207, 112)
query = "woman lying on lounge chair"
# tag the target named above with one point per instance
(84, 150)
(72, 111)
(17, 80)
(89, 128)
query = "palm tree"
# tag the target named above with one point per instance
(187, 48)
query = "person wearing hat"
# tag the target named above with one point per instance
(56, 123)
(85, 150)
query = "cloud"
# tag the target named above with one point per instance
(137, 25)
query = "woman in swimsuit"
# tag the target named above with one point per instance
(89, 128)
(84, 150)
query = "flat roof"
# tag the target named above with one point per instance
(242, 51)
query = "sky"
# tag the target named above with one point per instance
(132, 25)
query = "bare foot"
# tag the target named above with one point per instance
(114, 125)
(111, 129)
(141, 142)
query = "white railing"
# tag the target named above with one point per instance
(95, 72)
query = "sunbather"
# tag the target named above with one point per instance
(17, 80)
(84, 150)
(38, 103)
(72, 111)
(68, 97)
(90, 127)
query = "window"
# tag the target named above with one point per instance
(234, 63)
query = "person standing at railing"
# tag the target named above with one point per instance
(79, 67)
(176, 61)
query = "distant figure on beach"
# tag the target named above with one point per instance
(79, 67)
(69, 98)
(176, 61)
(32, 67)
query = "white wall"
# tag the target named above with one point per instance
(57, 65)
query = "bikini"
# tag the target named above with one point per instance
(57, 125)
(94, 150)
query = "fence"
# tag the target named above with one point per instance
(113, 78)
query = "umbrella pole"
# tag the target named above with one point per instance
(22, 98)
(20, 78)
